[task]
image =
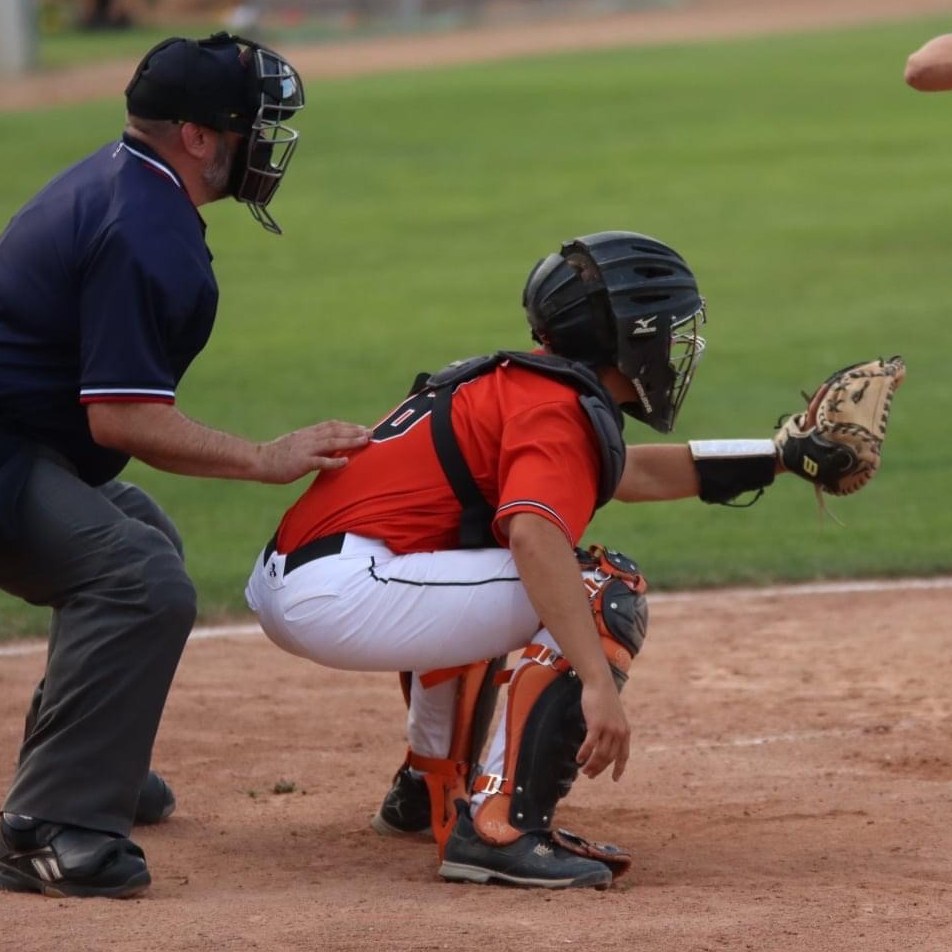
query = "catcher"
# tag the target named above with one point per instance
(451, 540)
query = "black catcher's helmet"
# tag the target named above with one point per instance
(639, 310)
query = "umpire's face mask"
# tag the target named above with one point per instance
(263, 158)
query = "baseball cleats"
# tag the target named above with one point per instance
(61, 861)
(535, 859)
(405, 810)
(156, 800)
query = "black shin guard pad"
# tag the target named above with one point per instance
(546, 767)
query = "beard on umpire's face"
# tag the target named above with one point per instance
(217, 172)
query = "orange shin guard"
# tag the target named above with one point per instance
(448, 779)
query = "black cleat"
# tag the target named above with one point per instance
(405, 810)
(532, 860)
(156, 801)
(61, 861)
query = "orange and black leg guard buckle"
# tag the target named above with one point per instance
(449, 779)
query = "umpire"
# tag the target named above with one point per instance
(106, 296)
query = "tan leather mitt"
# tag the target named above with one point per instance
(836, 443)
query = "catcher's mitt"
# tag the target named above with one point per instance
(836, 443)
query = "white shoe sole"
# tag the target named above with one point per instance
(460, 872)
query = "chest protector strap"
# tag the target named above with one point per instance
(601, 410)
(475, 530)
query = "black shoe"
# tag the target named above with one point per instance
(533, 860)
(22, 834)
(405, 810)
(61, 861)
(156, 800)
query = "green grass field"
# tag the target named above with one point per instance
(808, 187)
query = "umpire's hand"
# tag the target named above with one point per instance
(296, 454)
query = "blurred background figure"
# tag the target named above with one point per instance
(245, 17)
(929, 69)
(296, 20)
(104, 15)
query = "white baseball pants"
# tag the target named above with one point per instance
(367, 609)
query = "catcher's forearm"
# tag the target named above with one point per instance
(714, 470)
(657, 472)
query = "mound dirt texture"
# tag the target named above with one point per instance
(790, 786)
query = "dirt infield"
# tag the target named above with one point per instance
(790, 787)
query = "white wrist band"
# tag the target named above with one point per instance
(731, 449)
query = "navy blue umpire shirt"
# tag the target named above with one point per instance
(106, 294)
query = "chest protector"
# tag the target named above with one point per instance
(606, 419)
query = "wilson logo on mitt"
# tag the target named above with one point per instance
(836, 443)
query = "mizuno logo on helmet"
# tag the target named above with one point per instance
(644, 326)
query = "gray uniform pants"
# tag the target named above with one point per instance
(109, 563)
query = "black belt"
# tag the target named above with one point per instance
(328, 545)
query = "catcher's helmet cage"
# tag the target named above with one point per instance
(229, 84)
(641, 315)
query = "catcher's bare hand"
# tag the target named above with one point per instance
(608, 733)
(293, 455)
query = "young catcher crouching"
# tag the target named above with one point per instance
(450, 540)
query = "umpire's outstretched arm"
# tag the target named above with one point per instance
(163, 437)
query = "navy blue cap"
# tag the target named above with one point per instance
(211, 82)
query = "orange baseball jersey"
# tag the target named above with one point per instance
(524, 436)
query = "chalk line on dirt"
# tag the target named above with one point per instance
(784, 737)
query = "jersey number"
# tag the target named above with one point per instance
(405, 417)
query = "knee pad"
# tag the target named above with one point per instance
(544, 724)
(616, 590)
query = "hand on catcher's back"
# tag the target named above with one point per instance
(303, 451)
(608, 734)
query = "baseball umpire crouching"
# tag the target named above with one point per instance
(106, 296)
